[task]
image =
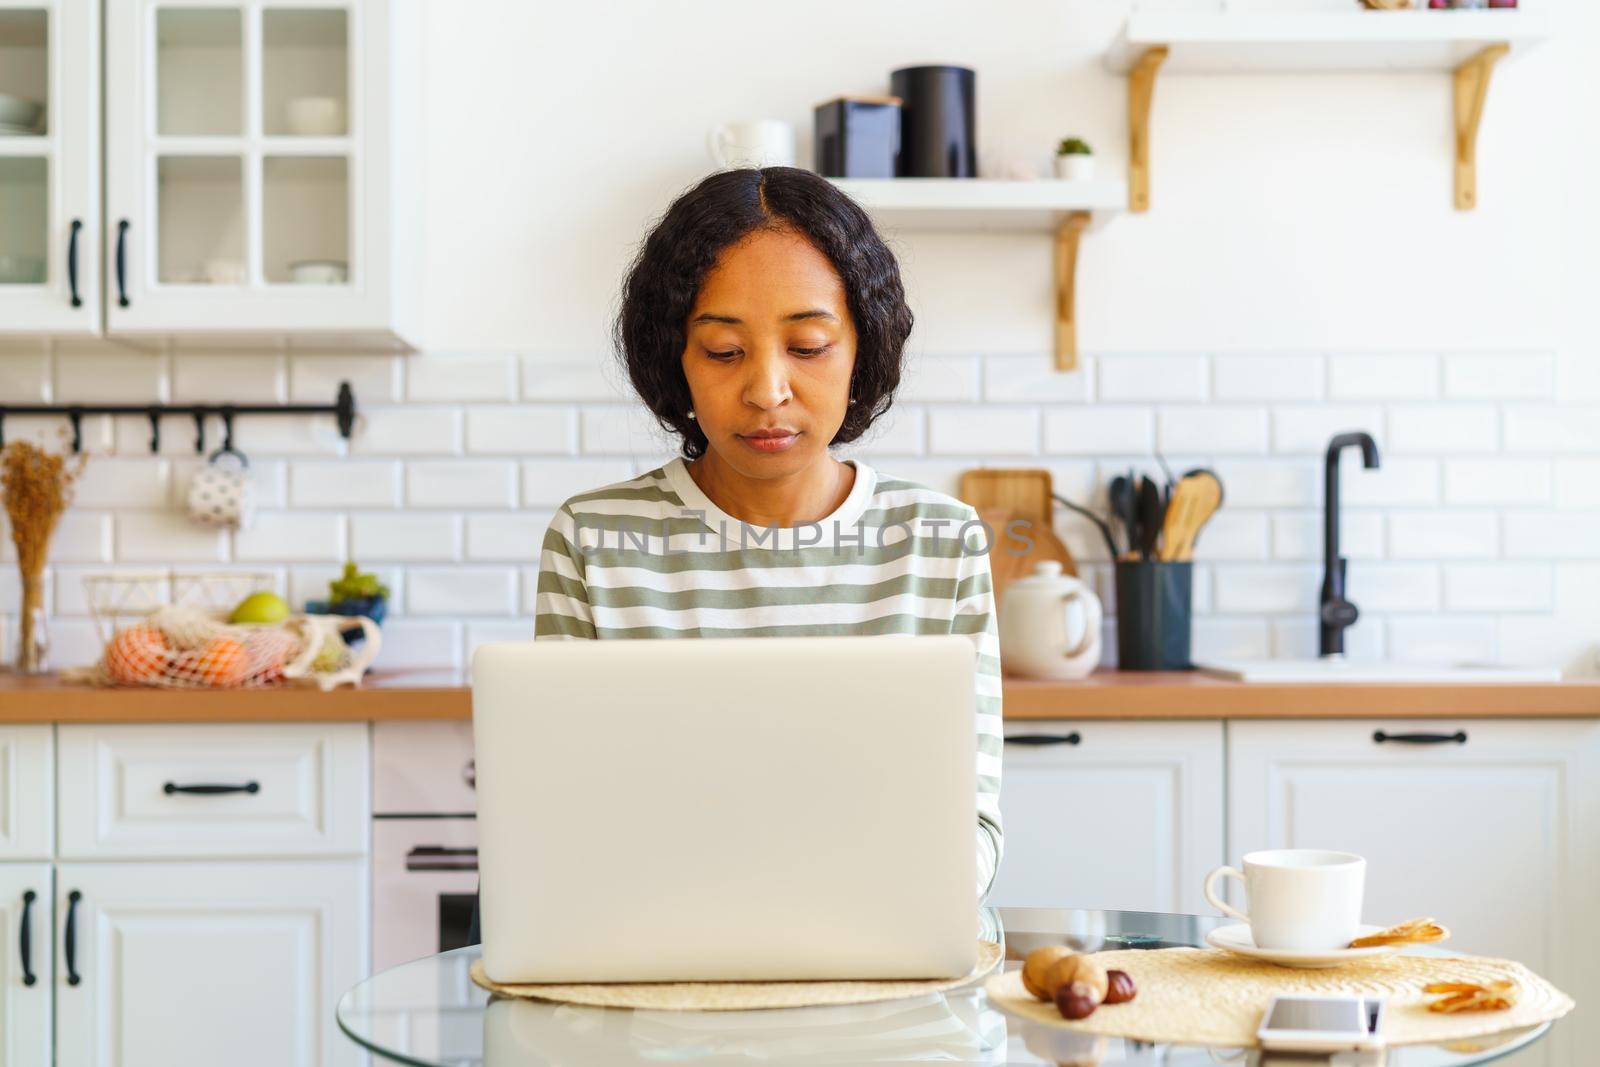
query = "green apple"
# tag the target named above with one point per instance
(261, 607)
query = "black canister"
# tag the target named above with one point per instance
(858, 137)
(1153, 615)
(938, 119)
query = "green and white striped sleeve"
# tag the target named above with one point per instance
(561, 605)
(975, 616)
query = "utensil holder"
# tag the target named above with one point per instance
(1153, 615)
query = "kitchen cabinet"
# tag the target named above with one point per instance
(1493, 827)
(1110, 814)
(203, 964)
(25, 964)
(259, 171)
(27, 792)
(50, 168)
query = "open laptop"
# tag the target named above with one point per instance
(740, 809)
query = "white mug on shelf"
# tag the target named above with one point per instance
(761, 143)
(1300, 899)
(221, 494)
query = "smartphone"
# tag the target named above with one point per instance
(1321, 1024)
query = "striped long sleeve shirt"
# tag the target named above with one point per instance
(653, 557)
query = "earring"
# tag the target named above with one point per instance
(691, 413)
(852, 400)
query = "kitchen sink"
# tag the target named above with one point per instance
(1337, 669)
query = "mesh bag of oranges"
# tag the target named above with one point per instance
(180, 647)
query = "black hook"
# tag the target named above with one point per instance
(2, 430)
(76, 417)
(199, 433)
(344, 410)
(155, 430)
(227, 448)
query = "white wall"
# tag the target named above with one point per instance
(1302, 271)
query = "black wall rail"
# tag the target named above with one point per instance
(343, 409)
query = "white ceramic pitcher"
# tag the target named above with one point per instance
(1049, 625)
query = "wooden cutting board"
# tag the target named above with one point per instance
(1001, 495)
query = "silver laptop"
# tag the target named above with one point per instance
(740, 809)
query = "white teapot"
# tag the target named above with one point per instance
(1049, 625)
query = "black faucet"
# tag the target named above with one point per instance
(1336, 612)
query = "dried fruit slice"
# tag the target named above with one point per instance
(1471, 996)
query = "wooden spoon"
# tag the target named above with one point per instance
(1194, 500)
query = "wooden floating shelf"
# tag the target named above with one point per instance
(984, 203)
(1313, 42)
(1062, 208)
(1465, 44)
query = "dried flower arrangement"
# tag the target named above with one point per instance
(38, 488)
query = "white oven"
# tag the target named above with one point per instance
(424, 839)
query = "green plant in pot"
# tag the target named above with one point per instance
(353, 593)
(1074, 159)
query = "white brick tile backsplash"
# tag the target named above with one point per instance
(623, 431)
(550, 482)
(460, 591)
(122, 377)
(314, 379)
(1578, 483)
(483, 633)
(1578, 376)
(575, 380)
(518, 431)
(1097, 430)
(1300, 638)
(74, 643)
(940, 379)
(1301, 428)
(528, 580)
(1298, 535)
(347, 483)
(1214, 430)
(1137, 379)
(407, 432)
(1221, 638)
(1443, 534)
(977, 432)
(461, 484)
(1443, 429)
(1397, 483)
(1269, 483)
(1266, 588)
(1552, 429)
(291, 537)
(403, 537)
(305, 435)
(1499, 587)
(1383, 377)
(420, 644)
(899, 431)
(1552, 535)
(124, 483)
(1267, 377)
(236, 378)
(439, 378)
(1442, 639)
(167, 537)
(1510, 376)
(1233, 534)
(1497, 481)
(512, 537)
(1033, 380)
(24, 376)
(80, 537)
(1393, 587)
(51, 432)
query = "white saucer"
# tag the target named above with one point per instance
(1236, 939)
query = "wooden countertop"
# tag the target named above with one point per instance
(394, 695)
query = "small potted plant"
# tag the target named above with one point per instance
(1074, 159)
(353, 593)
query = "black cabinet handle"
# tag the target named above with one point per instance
(72, 263)
(1457, 738)
(210, 790)
(25, 938)
(1040, 740)
(70, 940)
(122, 263)
(439, 858)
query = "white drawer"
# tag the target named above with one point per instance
(423, 768)
(182, 792)
(27, 760)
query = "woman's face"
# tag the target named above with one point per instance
(770, 350)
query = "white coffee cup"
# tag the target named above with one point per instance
(1300, 899)
(762, 143)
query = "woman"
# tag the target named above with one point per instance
(762, 323)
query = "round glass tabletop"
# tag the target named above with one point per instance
(429, 1013)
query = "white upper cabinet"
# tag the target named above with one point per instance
(256, 190)
(49, 167)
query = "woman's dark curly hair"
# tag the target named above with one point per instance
(661, 286)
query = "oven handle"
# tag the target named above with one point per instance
(439, 858)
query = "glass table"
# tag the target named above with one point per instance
(429, 1013)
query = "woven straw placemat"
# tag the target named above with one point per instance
(1205, 997)
(736, 996)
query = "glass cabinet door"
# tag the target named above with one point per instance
(236, 152)
(49, 166)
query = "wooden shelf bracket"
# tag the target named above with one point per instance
(1471, 89)
(1141, 91)
(1067, 234)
